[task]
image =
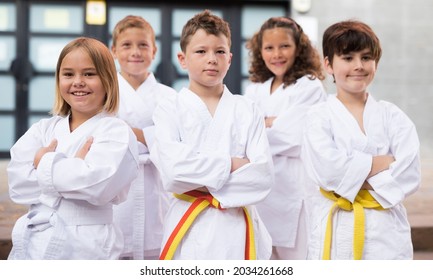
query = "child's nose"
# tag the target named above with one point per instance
(212, 58)
(359, 63)
(136, 50)
(78, 81)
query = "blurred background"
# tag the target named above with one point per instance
(32, 33)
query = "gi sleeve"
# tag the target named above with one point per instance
(22, 179)
(181, 166)
(103, 176)
(403, 177)
(285, 135)
(330, 167)
(252, 182)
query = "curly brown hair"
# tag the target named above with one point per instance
(307, 60)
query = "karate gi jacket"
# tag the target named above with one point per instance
(70, 199)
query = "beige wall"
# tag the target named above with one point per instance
(405, 72)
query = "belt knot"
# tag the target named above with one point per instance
(344, 204)
(362, 200)
(199, 202)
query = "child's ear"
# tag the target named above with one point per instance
(230, 59)
(113, 51)
(328, 66)
(181, 59)
(155, 49)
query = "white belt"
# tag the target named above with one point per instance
(76, 212)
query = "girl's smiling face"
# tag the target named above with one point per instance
(278, 51)
(80, 85)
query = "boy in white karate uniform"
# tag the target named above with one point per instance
(141, 216)
(362, 153)
(70, 169)
(213, 154)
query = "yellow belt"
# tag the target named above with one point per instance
(362, 200)
(199, 202)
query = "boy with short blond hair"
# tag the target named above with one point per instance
(141, 216)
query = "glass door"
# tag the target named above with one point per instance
(244, 18)
(8, 46)
(32, 34)
(52, 26)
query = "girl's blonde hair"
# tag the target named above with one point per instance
(105, 67)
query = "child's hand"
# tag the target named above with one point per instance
(82, 152)
(238, 163)
(269, 121)
(380, 163)
(366, 186)
(202, 189)
(139, 134)
(42, 151)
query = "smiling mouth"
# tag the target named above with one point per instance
(80, 93)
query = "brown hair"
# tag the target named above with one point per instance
(350, 36)
(307, 60)
(210, 23)
(105, 67)
(133, 22)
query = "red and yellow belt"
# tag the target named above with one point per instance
(199, 202)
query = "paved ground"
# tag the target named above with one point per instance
(419, 207)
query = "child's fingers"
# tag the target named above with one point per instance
(82, 152)
(52, 146)
(88, 144)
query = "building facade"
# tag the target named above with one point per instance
(32, 34)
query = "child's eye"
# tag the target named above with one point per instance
(200, 51)
(89, 74)
(67, 74)
(221, 52)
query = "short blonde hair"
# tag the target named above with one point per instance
(105, 67)
(133, 22)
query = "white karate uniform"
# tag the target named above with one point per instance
(141, 216)
(70, 199)
(338, 156)
(282, 209)
(194, 149)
